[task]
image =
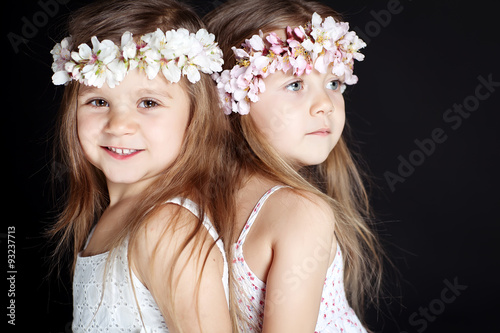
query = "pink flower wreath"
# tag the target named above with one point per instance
(317, 45)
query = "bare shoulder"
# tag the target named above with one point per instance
(298, 207)
(170, 233)
(169, 218)
(293, 214)
(166, 221)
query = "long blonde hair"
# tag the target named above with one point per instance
(198, 171)
(338, 180)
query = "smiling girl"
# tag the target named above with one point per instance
(143, 139)
(304, 258)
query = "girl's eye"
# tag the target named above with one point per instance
(333, 85)
(148, 104)
(294, 86)
(100, 103)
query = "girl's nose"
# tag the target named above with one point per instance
(322, 104)
(120, 122)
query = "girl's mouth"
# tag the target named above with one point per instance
(121, 153)
(321, 132)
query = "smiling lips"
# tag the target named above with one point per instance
(121, 153)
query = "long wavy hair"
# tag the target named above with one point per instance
(198, 171)
(338, 180)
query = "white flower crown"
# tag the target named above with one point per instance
(175, 53)
(317, 45)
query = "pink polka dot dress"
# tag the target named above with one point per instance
(335, 314)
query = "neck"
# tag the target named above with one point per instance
(119, 192)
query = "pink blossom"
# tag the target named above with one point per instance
(277, 45)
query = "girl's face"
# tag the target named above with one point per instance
(302, 117)
(134, 131)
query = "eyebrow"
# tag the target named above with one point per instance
(83, 90)
(163, 92)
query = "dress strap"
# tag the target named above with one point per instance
(193, 208)
(255, 212)
(89, 237)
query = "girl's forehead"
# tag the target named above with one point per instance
(136, 83)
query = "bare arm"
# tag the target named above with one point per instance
(302, 253)
(195, 307)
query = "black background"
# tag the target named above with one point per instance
(438, 221)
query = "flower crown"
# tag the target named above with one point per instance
(317, 45)
(175, 53)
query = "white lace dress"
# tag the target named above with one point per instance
(126, 304)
